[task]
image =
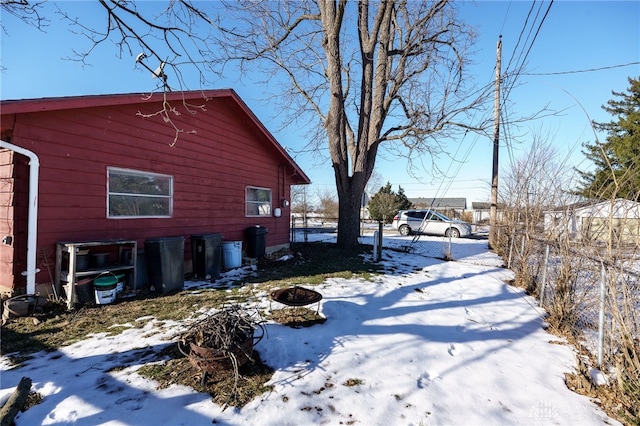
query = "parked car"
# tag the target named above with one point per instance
(429, 222)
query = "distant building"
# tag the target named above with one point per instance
(482, 211)
(617, 221)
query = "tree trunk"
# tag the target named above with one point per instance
(15, 402)
(350, 190)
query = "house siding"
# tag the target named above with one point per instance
(7, 182)
(616, 222)
(218, 152)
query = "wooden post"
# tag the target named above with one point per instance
(15, 402)
(493, 213)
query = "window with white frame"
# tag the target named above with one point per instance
(138, 194)
(258, 201)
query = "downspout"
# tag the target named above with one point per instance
(32, 225)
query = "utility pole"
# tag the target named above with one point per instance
(493, 212)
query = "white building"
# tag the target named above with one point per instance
(618, 220)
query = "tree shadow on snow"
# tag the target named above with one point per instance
(406, 311)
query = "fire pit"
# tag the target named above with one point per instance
(296, 296)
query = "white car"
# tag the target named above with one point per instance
(429, 222)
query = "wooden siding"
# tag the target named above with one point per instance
(14, 172)
(7, 182)
(218, 152)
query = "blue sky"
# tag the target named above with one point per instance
(575, 36)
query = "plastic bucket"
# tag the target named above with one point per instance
(82, 262)
(105, 288)
(120, 283)
(100, 260)
(84, 291)
(105, 294)
(232, 254)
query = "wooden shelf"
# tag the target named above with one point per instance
(68, 272)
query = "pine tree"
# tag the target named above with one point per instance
(403, 201)
(617, 159)
(385, 203)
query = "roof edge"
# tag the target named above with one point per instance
(20, 106)
(24, 106)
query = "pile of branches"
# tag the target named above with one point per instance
(223, 340)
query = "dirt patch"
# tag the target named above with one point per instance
(224, 387)
(297, 317)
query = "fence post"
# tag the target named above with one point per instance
(601, 317)
(376, 256)
(513, 237)
(544, 275)
(377, 243)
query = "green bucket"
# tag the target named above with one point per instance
(105, 281)
(105, 287)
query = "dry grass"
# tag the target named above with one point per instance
(224, 387)
(297, 317)
(54, 326)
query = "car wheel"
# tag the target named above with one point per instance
(453, 233)
(404, 230)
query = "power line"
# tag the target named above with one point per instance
(580, 71)
(524, 27)
(518, 68)
(537, 32)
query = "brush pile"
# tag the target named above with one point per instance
(222, 341)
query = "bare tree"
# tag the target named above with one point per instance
(537, 182)
(29, 12)
(357, 75)
(328, 205)
(375, 182)
(300, 202)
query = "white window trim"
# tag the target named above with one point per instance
(246, 201)
(140, 173)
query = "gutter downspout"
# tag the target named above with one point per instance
(32, 226)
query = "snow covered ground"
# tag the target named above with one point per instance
(428, 343)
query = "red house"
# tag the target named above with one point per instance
(134, 167)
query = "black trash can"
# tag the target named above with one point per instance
(206, 254)
(165, 263)
(256, 240)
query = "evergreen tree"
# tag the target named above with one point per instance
(384, 204)
(404, 203)
(617, 159)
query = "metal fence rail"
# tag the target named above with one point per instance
(592, 291)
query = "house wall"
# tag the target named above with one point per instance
(6, 216)
(218, 152)
(598, 222)
(616, 230)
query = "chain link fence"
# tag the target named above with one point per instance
(591, 292)
(305, 230)
(589, 289)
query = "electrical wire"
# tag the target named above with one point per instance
(513, 77)
(581, 71)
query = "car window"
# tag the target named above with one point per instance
(442, 217)
(416, 215)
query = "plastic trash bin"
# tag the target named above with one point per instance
(256, 240)
(232, 254)
(206, 254)
(165, 263)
